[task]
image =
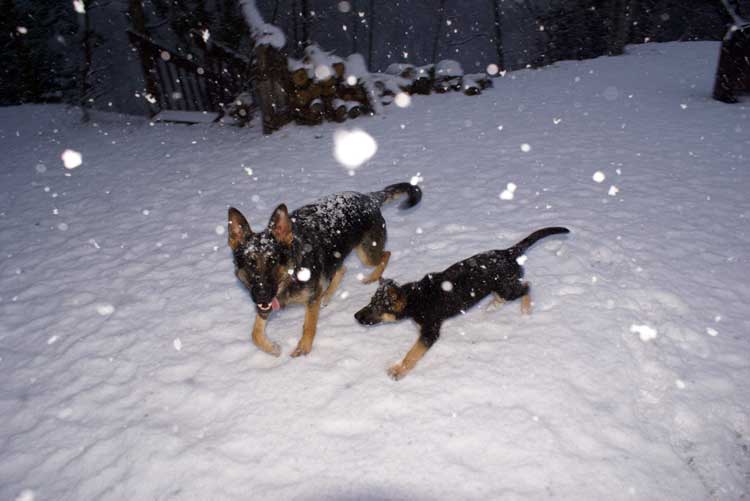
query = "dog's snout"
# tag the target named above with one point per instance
(364, 316)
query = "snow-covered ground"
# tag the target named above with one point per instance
(126, 368)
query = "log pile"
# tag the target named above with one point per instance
(321, 86)
(446, 76)
(324, 88)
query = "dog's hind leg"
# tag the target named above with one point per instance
(371, 251)
(261, 341)
(514, 290)
(335, 282)
(312, 310)
(496, 302)
(526, 303)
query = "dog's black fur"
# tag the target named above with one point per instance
(299, 256)
(439, 296)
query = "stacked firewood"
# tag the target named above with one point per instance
(324, 88)
(321, 86)
(445, 76)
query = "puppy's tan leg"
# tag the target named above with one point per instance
(261, 341)
(496, 302)
(379, 269)
(398, 371)
(308, 330)
(526, 304)
(335, 282)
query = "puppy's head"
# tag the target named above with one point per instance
(388, 304)
(261, 259)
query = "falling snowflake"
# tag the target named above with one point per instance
(177, 343)
(79, 6)
(353, 148)
(521, 259)
(613, 190)
(322, 72)
(303, 275)
(598, 176)
(71, 159)
(446, 286)
(526, 147)
(402, 100)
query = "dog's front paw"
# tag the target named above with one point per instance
(301, 349)
(397, 371)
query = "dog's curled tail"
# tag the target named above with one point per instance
(527, 242)
(398, 190)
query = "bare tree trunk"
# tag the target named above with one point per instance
(305, 23)
(498, 22)
(371, 35)
(138, 25)
(275, 12)
(355, 27)
(438, 30)
(619, 23)
(85, 71)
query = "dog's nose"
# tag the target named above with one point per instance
(360, 316)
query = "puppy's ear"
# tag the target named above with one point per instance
(381, 280)
(397, 297)
(281, 226)
(239, 229)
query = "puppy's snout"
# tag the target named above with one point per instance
(361, 316)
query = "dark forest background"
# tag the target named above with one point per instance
(78, 52)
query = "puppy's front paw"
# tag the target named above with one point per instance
(397, 371)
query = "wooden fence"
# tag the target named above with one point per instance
(183, 83)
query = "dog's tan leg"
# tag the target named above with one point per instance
(526, 304)
(496, 302)
(308, 330)
(335, 282)
(379, 269)
(261, 341)
(400, 370)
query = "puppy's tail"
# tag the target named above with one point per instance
(527, 242)
(396, 191)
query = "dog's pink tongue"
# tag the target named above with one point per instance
(275, 304)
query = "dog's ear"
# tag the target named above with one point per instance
(281, 226)
(239, 229)
(397, 297)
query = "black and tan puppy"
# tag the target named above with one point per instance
(439, 296)
(299, 257)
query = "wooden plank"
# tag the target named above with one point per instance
(186, 117)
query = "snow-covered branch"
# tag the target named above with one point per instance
(263, 33)
(738, 20)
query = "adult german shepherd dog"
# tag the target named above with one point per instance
(298, 257)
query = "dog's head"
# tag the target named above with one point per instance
(388, 304)
(261, 259)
